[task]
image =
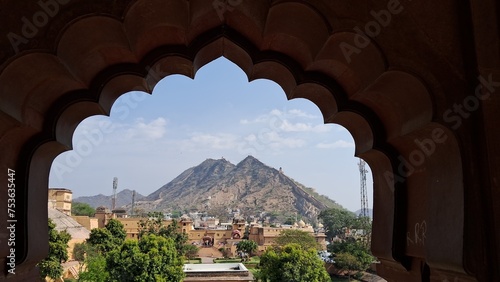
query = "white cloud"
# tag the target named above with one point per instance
(259, 119)
(288, 121)
(300, 113)
(214, 141)
(251, 138)
(303, 127)
(335, 145)
(276, 112)
(153, 130)
(276, 141)
(269, 117)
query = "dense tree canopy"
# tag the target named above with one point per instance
(292, 263)
(348, 263)
(247, 246)
(191, 251)
(58, 253)
(354, 248)
(117, 230)
(289, 221)
(79, 250)
(108, 238)
(152, 258)
(176, 214)
(154, 225)
(336, 221)
(95, 270)
(78, 208)
(92, 263)
(295, 236)
(102, 240)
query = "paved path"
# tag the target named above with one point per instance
(207, 255)
(209, 252)
(206, 260)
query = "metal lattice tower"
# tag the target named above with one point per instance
(115, 185)
(364, 197)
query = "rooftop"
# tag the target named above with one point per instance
(65, 222)
(217, 272)
(61, 189)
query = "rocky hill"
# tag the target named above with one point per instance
(123, 198)
(250, 186)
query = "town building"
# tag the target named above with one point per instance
(103, 215)
(219, 236)
(88, 222)
(265, 236)
(66, 223)
(78, 233)
(60, 198)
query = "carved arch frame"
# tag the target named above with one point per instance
(98, 58)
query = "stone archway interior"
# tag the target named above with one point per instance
(390, 94)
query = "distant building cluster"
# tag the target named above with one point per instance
(202, 230)
(209, 232)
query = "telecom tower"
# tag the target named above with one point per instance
(364, 198)
(115, 185)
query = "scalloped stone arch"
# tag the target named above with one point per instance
(389, 112)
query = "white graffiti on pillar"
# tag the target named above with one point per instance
(417, 237)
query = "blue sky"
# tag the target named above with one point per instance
(150, 139)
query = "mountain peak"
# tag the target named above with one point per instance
(209, 161)
(250, 161)
(216, 185)
(123, 197)
(212, 164)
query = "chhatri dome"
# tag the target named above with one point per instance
(302, 223)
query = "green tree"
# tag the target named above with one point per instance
(58, 253)
(154, 225)
(92, 263)
(79, 250)
(355, 248)
(348, 263)
(247, 246)
(302, 238)
(336, 221)
(289, 221)
(292, 263)
(95, 270)
(173, 231)
(176, 214)
(108, 238)
(152, 258)
(78, 208)
(365, 224)
(190, 251)
(102, 240)
(79, 254)
(117, 231)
